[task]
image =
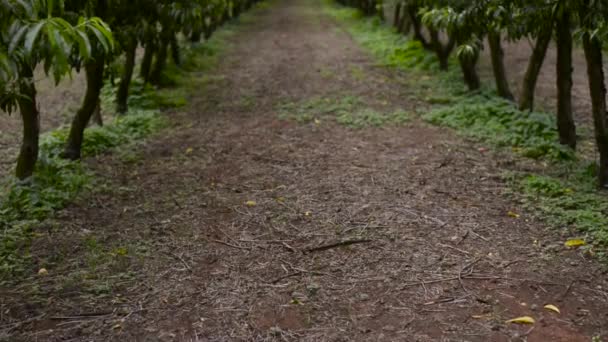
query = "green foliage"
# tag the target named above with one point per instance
(391, 48)
(122, 130)
(398, 51)
(491, 119)
(572, 202)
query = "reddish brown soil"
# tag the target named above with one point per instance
(438, 257)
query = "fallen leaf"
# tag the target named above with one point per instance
(251, 203)
(317, 122)
(280, 199)
(308, 213)
(43, 272)
(575, 243)
(513, 214)
(552, 308)
(189, 150)
(522, 320)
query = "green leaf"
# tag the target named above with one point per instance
(32, 35)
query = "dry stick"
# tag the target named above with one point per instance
(285, 277)
(336, 244)
(230, 245)
(182, 260)
(561, 298)
(479, 236)
(85, 315)
(454, 248)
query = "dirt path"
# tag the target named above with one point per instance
(437, 257)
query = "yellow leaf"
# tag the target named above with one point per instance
(280, 199)
(552, 308)
(308, 213)
(575, 243)
(522, 320)
(251, 203)
(317, 122)
(189, 150)
(43, 272)
(512, 214)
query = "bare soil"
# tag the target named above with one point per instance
(377, 234)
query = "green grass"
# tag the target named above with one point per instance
(567, 197)
(348, 111)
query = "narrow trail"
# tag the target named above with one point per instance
(437, 258)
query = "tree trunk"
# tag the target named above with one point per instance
(175, 53)
(397, 16)
(412, 11)
(28, 155)
(565, 121)
(526, 102)
(161, 61)
(146, 62)
(97, 118)
(209, 29)
(498, 66)
(468, 66)
(405, 25)
(595, 73)
(195, 36)
(442, 52)
(94, 73)
(122, 95)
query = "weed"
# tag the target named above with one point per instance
(349, 111)
(491, 119)
(573, 202)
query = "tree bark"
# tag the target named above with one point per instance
(146, 62)
(195, 36)
(595, 72)
(28, 155)
(442, 51)
(468, 66)
(161, 61)
(498, 66)
(405, 25)
(412, 10)
(94, 72)
(175, 52)
(526, 102)
(209, 29)
(122, 95)
(565, 121)
(397, 16)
